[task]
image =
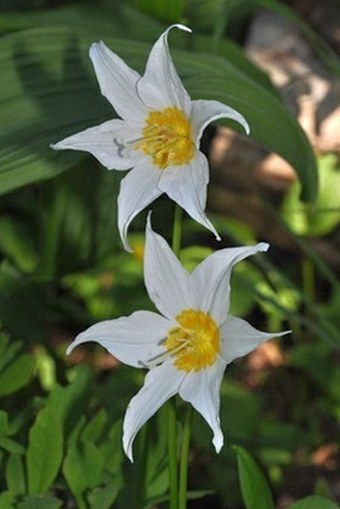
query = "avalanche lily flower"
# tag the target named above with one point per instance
(157, 136)
(189, 344)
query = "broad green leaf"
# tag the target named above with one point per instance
(48, 82)
(40, 502)
(166, 10)
(102, 22)
(314, 502)
(44, 451)
(17, 374)
(15, 475)
(68, 402)
(83, 468)
(254, 487)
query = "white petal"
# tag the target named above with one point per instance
(137, 190)
(203, 112)
(117, 82)
(187, 186)
(161, 86)
(104, 142)
(239, 338)
(160, 384)
(167, 282)
(209, 282)
(134, 339)
(202, 390)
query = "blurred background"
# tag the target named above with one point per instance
(62, 266)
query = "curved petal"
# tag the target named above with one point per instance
(161, 86)
(107, 143)
(209, 282)
(203, 112)
(187, 186)
(134, 339)
(240, 338)
(166, 281)
(137, 190)
(202, 390)
(160, 384)
(117, 82)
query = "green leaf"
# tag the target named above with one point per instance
(3, 423)
(7, 500)
(254, 487)
(68, 402)
(17, 374)
(104, 496)
(324, 216)
(112, 450)
(44, 452)
(15, 475)
(8, 351)
(94, 429)
(40, 502)
(83, 468)
(314, 502)
(16, 243)
(48, 84)
(10, 445)
(166, 10)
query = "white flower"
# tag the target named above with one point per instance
(188, 346)
(158, 136)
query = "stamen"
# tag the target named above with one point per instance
(195, 344)
(167, 138)
(171, 352)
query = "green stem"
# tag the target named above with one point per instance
(183, 467)
(172, 453)
(177, 231)
(171, 405)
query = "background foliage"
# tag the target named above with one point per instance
(62, 268)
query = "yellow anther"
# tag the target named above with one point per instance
(195, 343)
(167, 138)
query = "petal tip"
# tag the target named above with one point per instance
(70, 348)
(218, 441)
(263, 246)
(56, 146)
(96, 48)
(183, 27)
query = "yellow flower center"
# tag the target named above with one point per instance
(196, 343)
(167, 138)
